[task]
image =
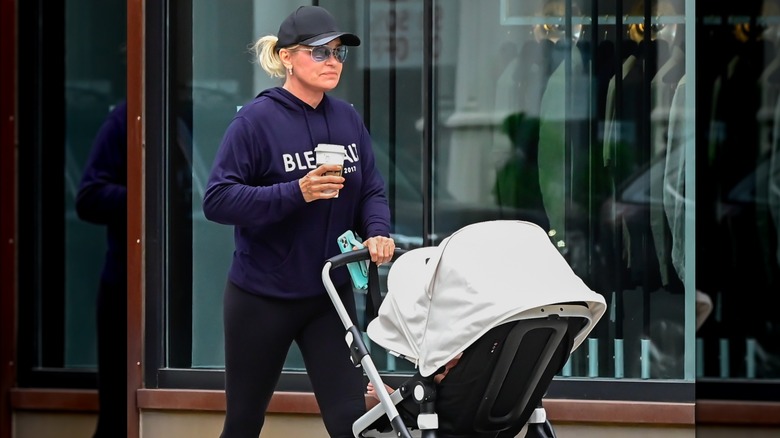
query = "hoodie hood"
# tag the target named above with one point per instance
(293, 103)
(284, 97)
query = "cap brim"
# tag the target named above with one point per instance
(347, 39)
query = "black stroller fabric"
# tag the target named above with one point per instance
(487, 395)
(510, 358)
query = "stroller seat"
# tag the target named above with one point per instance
(498, 292)
(499, 382)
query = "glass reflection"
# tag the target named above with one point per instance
(569, 114)
(737, 224)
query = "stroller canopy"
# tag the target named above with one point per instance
(441, 299)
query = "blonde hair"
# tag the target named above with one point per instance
(267, 57)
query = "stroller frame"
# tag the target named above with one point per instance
(559, 320)
(358, 349)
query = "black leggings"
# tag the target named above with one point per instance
(112, 360)
(258, 334)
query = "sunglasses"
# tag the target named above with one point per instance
(321, 53)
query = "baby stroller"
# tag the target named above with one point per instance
(498, 292)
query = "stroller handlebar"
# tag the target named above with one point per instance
(356, 256)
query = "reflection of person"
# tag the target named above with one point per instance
(102, 199)
(287, 220)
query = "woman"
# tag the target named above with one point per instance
(287, 216)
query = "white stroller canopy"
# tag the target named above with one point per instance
(481, 276)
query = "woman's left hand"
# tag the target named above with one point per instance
(381, 249)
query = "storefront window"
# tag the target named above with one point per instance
(94, 85)
(537, 125)
(72, 72)
(529, 121)
(587, 118)
(649, 157)
(737, 186)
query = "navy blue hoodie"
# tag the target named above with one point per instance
(282, 242)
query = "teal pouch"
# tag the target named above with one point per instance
(357, 270)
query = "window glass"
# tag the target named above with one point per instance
(665, 204)
(533, 123)
(576, 115)
(222, 79)
(381, 78)
(94, 83)
(530, 122)
(70, 74)
(738, 176)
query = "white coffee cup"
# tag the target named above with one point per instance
(330, 154)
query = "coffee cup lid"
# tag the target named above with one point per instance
(323, 147)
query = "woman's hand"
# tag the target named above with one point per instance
(323, 182)
(381, 249)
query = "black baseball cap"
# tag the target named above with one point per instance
(312, 26)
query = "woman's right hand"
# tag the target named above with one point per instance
(323, 182)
